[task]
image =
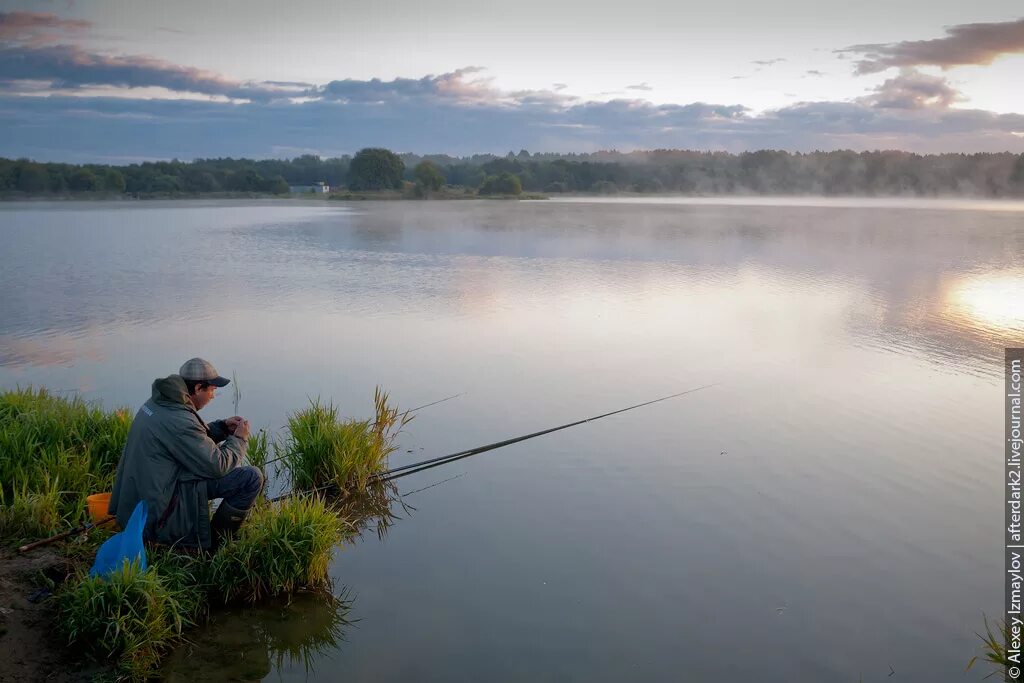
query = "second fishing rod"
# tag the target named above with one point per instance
(414, 468)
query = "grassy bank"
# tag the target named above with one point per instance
(56, 450)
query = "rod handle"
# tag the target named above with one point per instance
(64, 534)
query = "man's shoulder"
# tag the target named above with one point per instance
(162, 411)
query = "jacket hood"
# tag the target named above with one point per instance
(171, 389)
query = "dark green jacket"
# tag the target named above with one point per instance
(169, 456)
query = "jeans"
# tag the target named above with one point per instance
(238, 488)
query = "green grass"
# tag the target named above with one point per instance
(322, 451)
(54, 451)
(282, 547)
(993, 647)
(258, 449)
(133, 617)
(27, 515)
(130, 618)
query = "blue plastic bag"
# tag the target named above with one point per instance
(124, 546)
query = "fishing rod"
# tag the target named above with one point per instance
(65, 534)
(416, 467)
(412, 410)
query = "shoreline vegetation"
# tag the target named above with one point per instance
(376, 173)
(55, 451)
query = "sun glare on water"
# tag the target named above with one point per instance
(994, 301)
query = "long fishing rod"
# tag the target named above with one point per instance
(406, 470)
(415, 467)
(411, 410)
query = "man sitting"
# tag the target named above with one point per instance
(177, 463)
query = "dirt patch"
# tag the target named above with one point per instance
(31, 649)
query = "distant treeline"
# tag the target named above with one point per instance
(660, 171)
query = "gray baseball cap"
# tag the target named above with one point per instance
(201, 370)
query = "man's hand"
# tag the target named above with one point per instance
(239, 426)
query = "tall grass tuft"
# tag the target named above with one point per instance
(130, 617)
(187, 575)
(258, 449)
(993, 647)
(321, 450)
(281, 547)
(27, 515)
(54, 451)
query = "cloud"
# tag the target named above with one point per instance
(34, 57)
(289, 84)
(463, 85)
(559, 86)
(37, 28)
(963, 44)
(768, 62)
(116, 107)
(67, 67)
(63, 128)
(914, 90)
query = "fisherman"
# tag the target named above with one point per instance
(178, 464)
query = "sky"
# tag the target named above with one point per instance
(122, 81)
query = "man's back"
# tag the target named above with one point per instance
(168, 458)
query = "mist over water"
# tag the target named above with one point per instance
(829, 510)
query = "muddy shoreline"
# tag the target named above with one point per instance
(32, 651)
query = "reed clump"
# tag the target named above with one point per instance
(258, 450)
(130, 617)
(29, 514)
(54, 451)
(283, 546)
(993, 647)
(321, 451)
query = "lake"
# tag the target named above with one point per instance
(829, 510)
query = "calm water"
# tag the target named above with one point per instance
(830, 510)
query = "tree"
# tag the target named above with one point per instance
(31, 177)
(506, 183)
(375, 168)
(277, 185)
(83, 180)
(428, 176)
(197, 180)
(8, 179)
(1017, 176)
(165, 184)
(113, 181)
(58, 181)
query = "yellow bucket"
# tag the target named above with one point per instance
(98, 504)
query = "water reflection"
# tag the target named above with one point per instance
(292, 639)
(54, 349)
(116, 271)
(994, 301)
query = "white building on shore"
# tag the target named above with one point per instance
(317, 188)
